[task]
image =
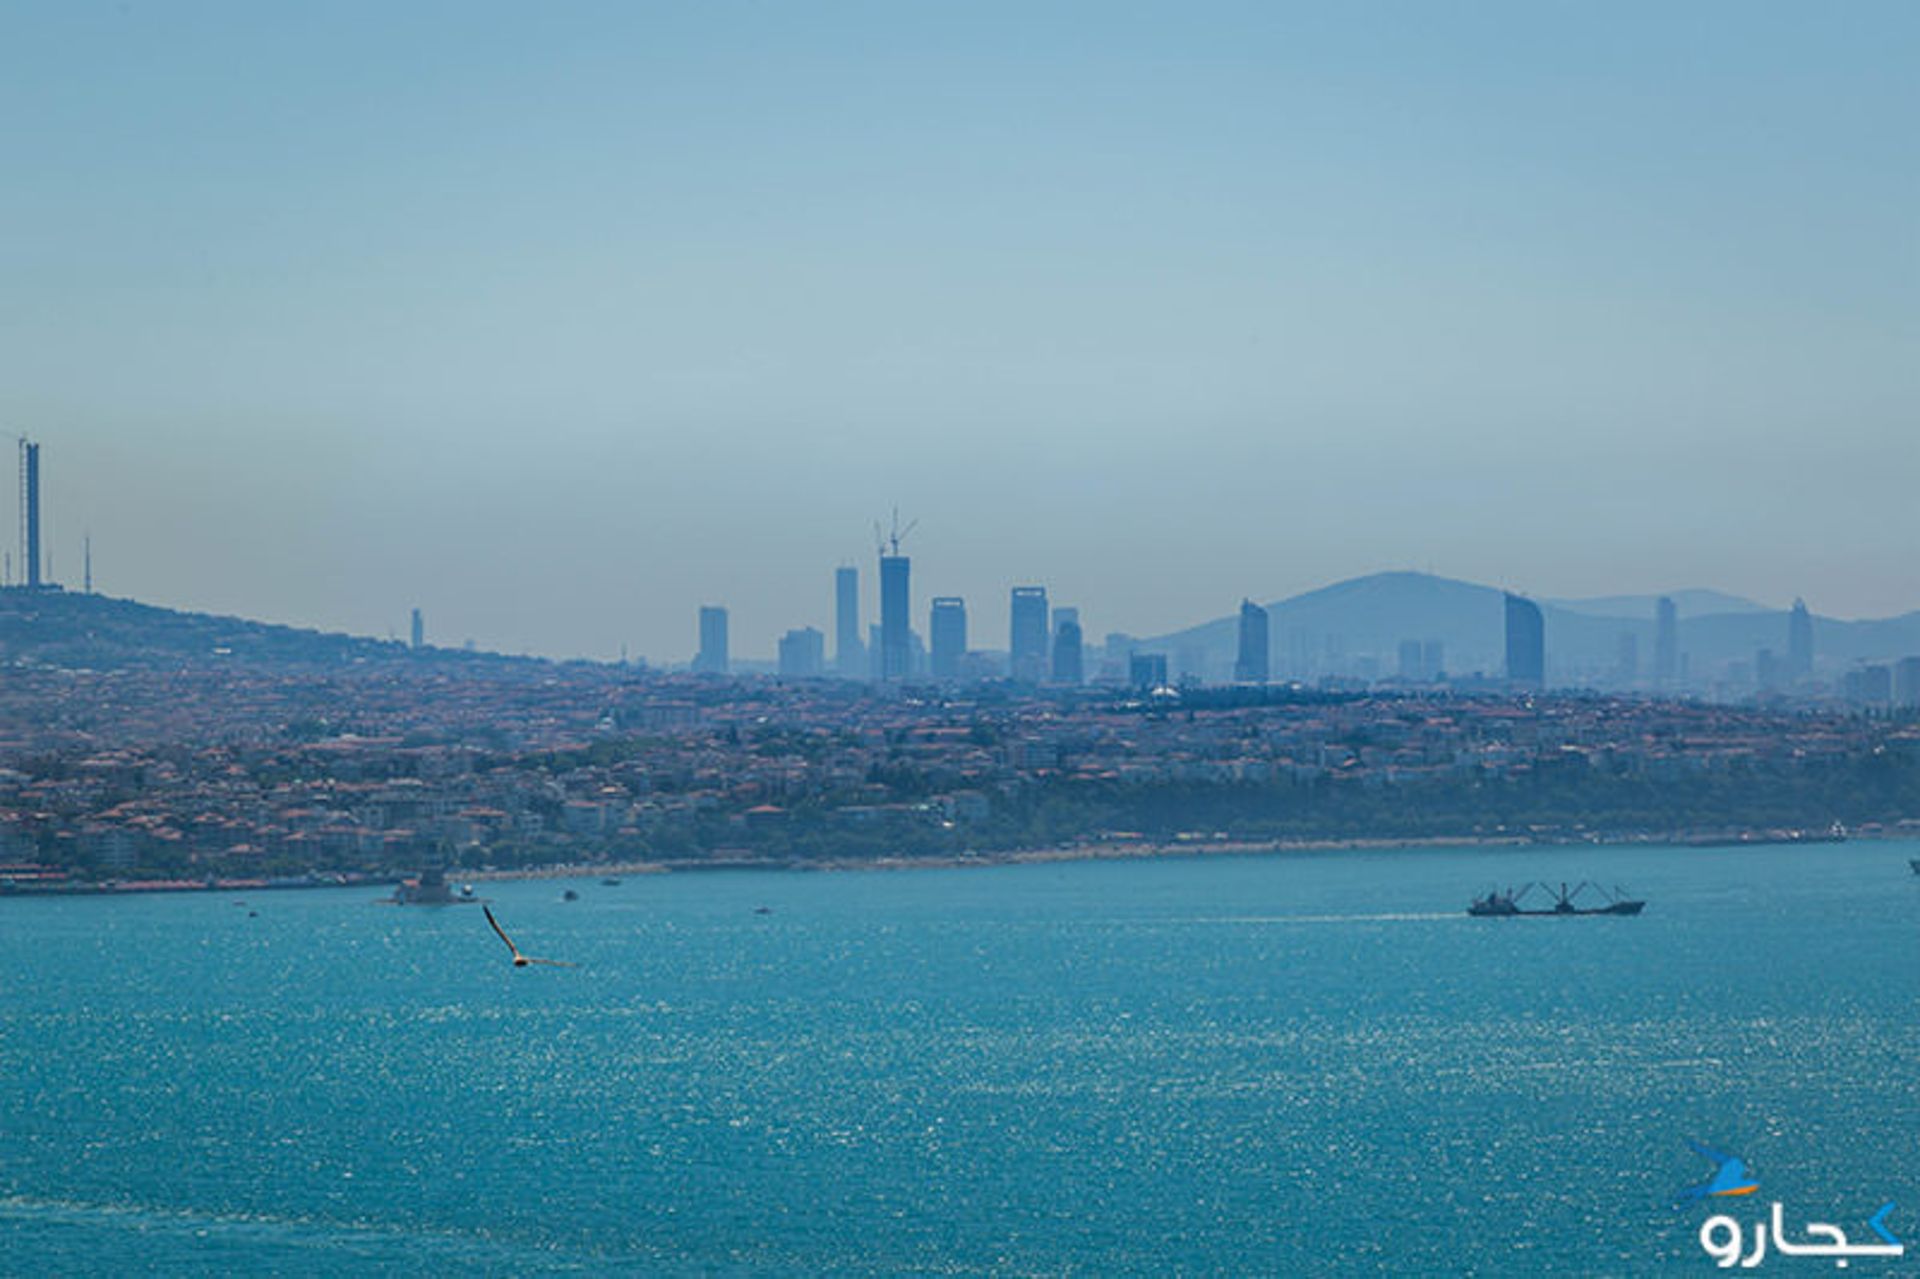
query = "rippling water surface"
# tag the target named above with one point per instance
(1230, 1065)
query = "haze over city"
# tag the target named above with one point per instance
(560, 325)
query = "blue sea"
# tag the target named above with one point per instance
(1300, 1063)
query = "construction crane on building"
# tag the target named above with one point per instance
(888, 543)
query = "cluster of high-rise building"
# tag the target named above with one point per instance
(1046, 643)
(1787, 672)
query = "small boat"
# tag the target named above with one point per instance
(1915, 863)
(1495, 903)
(569, 896)
(431, 889)
(610, 882)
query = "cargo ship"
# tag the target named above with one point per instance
(1563, 901)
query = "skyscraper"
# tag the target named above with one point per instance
(1906, 682)
(803, 653)
(1410, 669)
(896, 643)
(1250, 667)
(849, 653)
(1868, 685)
(1147, 670)
(1666, 642)
(419, 629)
(1626, 663)
(1799, 643)
(1027, 644)
(1526, 643)
(1069, 660)
(947, 629)
(1433, 659)
(712, 657)
(30, 509)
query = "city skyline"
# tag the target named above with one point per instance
(1010, 600)
(909, 649)
(556, 339)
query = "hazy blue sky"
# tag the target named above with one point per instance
(560, 320)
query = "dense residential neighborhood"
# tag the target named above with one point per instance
(258, 769)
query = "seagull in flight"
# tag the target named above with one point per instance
(520, 960)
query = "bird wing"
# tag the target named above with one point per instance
(488, 912)
(1698, 1149)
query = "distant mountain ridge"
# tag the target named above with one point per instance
(1693, 602)
(1372, 615)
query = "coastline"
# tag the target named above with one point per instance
(1108, 850)
(1133, 850)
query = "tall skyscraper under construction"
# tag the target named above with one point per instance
(896, 628)
(896, 601)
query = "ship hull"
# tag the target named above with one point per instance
(1616, 908)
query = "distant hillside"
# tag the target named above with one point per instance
(67, 629)
(1370, 616)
